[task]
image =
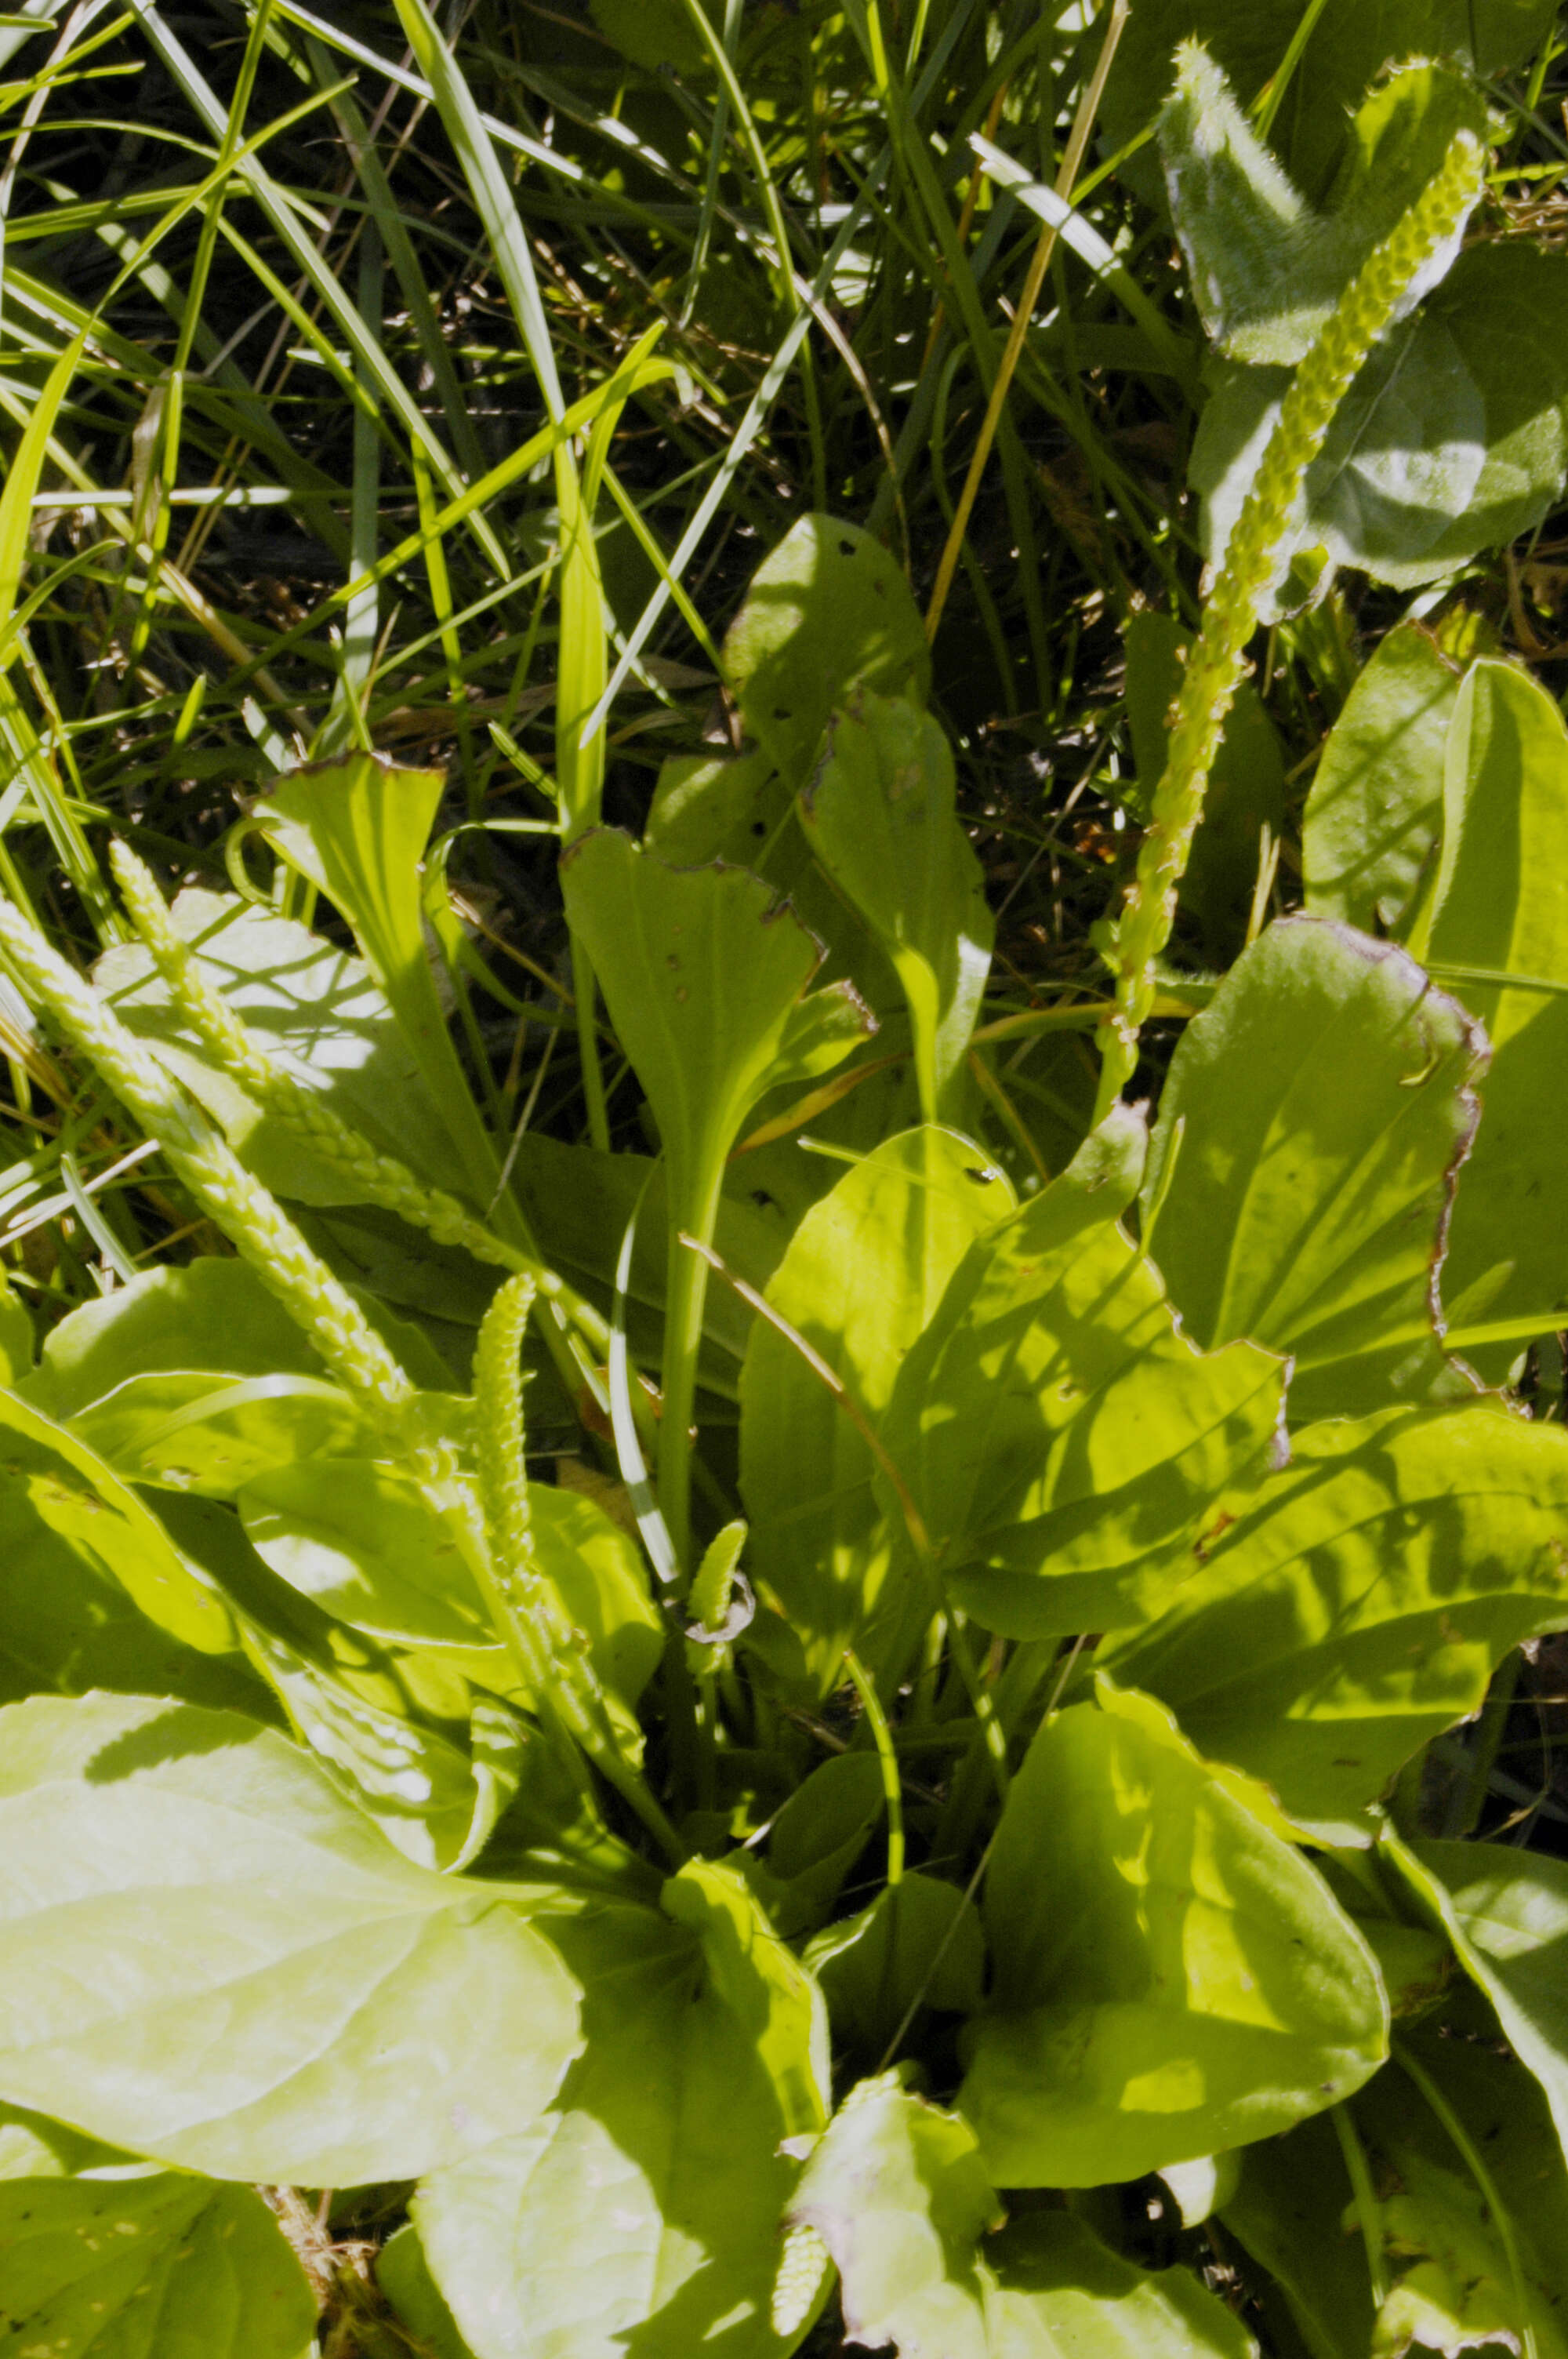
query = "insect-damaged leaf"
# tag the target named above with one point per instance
(827, 608)
(275, 1993)
(1301, 1172)
(1172, 1976)
(148, 2266)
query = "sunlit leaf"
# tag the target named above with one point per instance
(1348, 1608)
(1302, 1169)
(1054, 1426)
(1499, 902)
(642, 2211)
(865, 1270)
(1171, 1976)
(273, 1993)
(879, 810)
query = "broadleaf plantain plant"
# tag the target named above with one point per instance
(952, 1758)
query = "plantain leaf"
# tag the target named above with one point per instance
(1454, 438)
(897, 2192)
(1053, 1426)
(1172, 1976)
(316, 1012)
(1498, 902)
(918, 1944)
(864, 1272)
(277, 1995)
(1506, 1913)
(1267, 268)
(826, 609)
(1375, 806)
(1345, 1610)
(194, 1379)
(642, 2212)
(1350, 42)
(1302, 1169)
(705, 978)
(161, 2264)
(880, 812)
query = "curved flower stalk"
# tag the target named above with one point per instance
(252, 1220)
(522, 1601)
(1216, 662)
(378, 1178)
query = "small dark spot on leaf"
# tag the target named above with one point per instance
(760, 1197)
(846, 548)
(759, 827)
(983, 1174)
(783, 712)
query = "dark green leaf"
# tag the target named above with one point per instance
(1302, 1169)
(1506, 1912)
(1376, 802)
(278, 1995)
(1454, 438)
(1172, 1976)
(826, 609)
(919, 1942)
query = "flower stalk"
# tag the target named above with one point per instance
(378, 1178)
(252, 1219)
(1216, 662)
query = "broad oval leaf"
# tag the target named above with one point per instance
(316, 1012)
(154, 2265)
(194, 1378)
(71, 1491)
(827, 608)
(1302, 1169)
(864, 1271)
(880, 813)
(705, 976)
(1056, 1429)
(1499, 902)
(274, 1992)
(1454, 438)
(641, 2213)
(1345, 1610)
(897, 2192)
(1375, 806)
(1173, 1977)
